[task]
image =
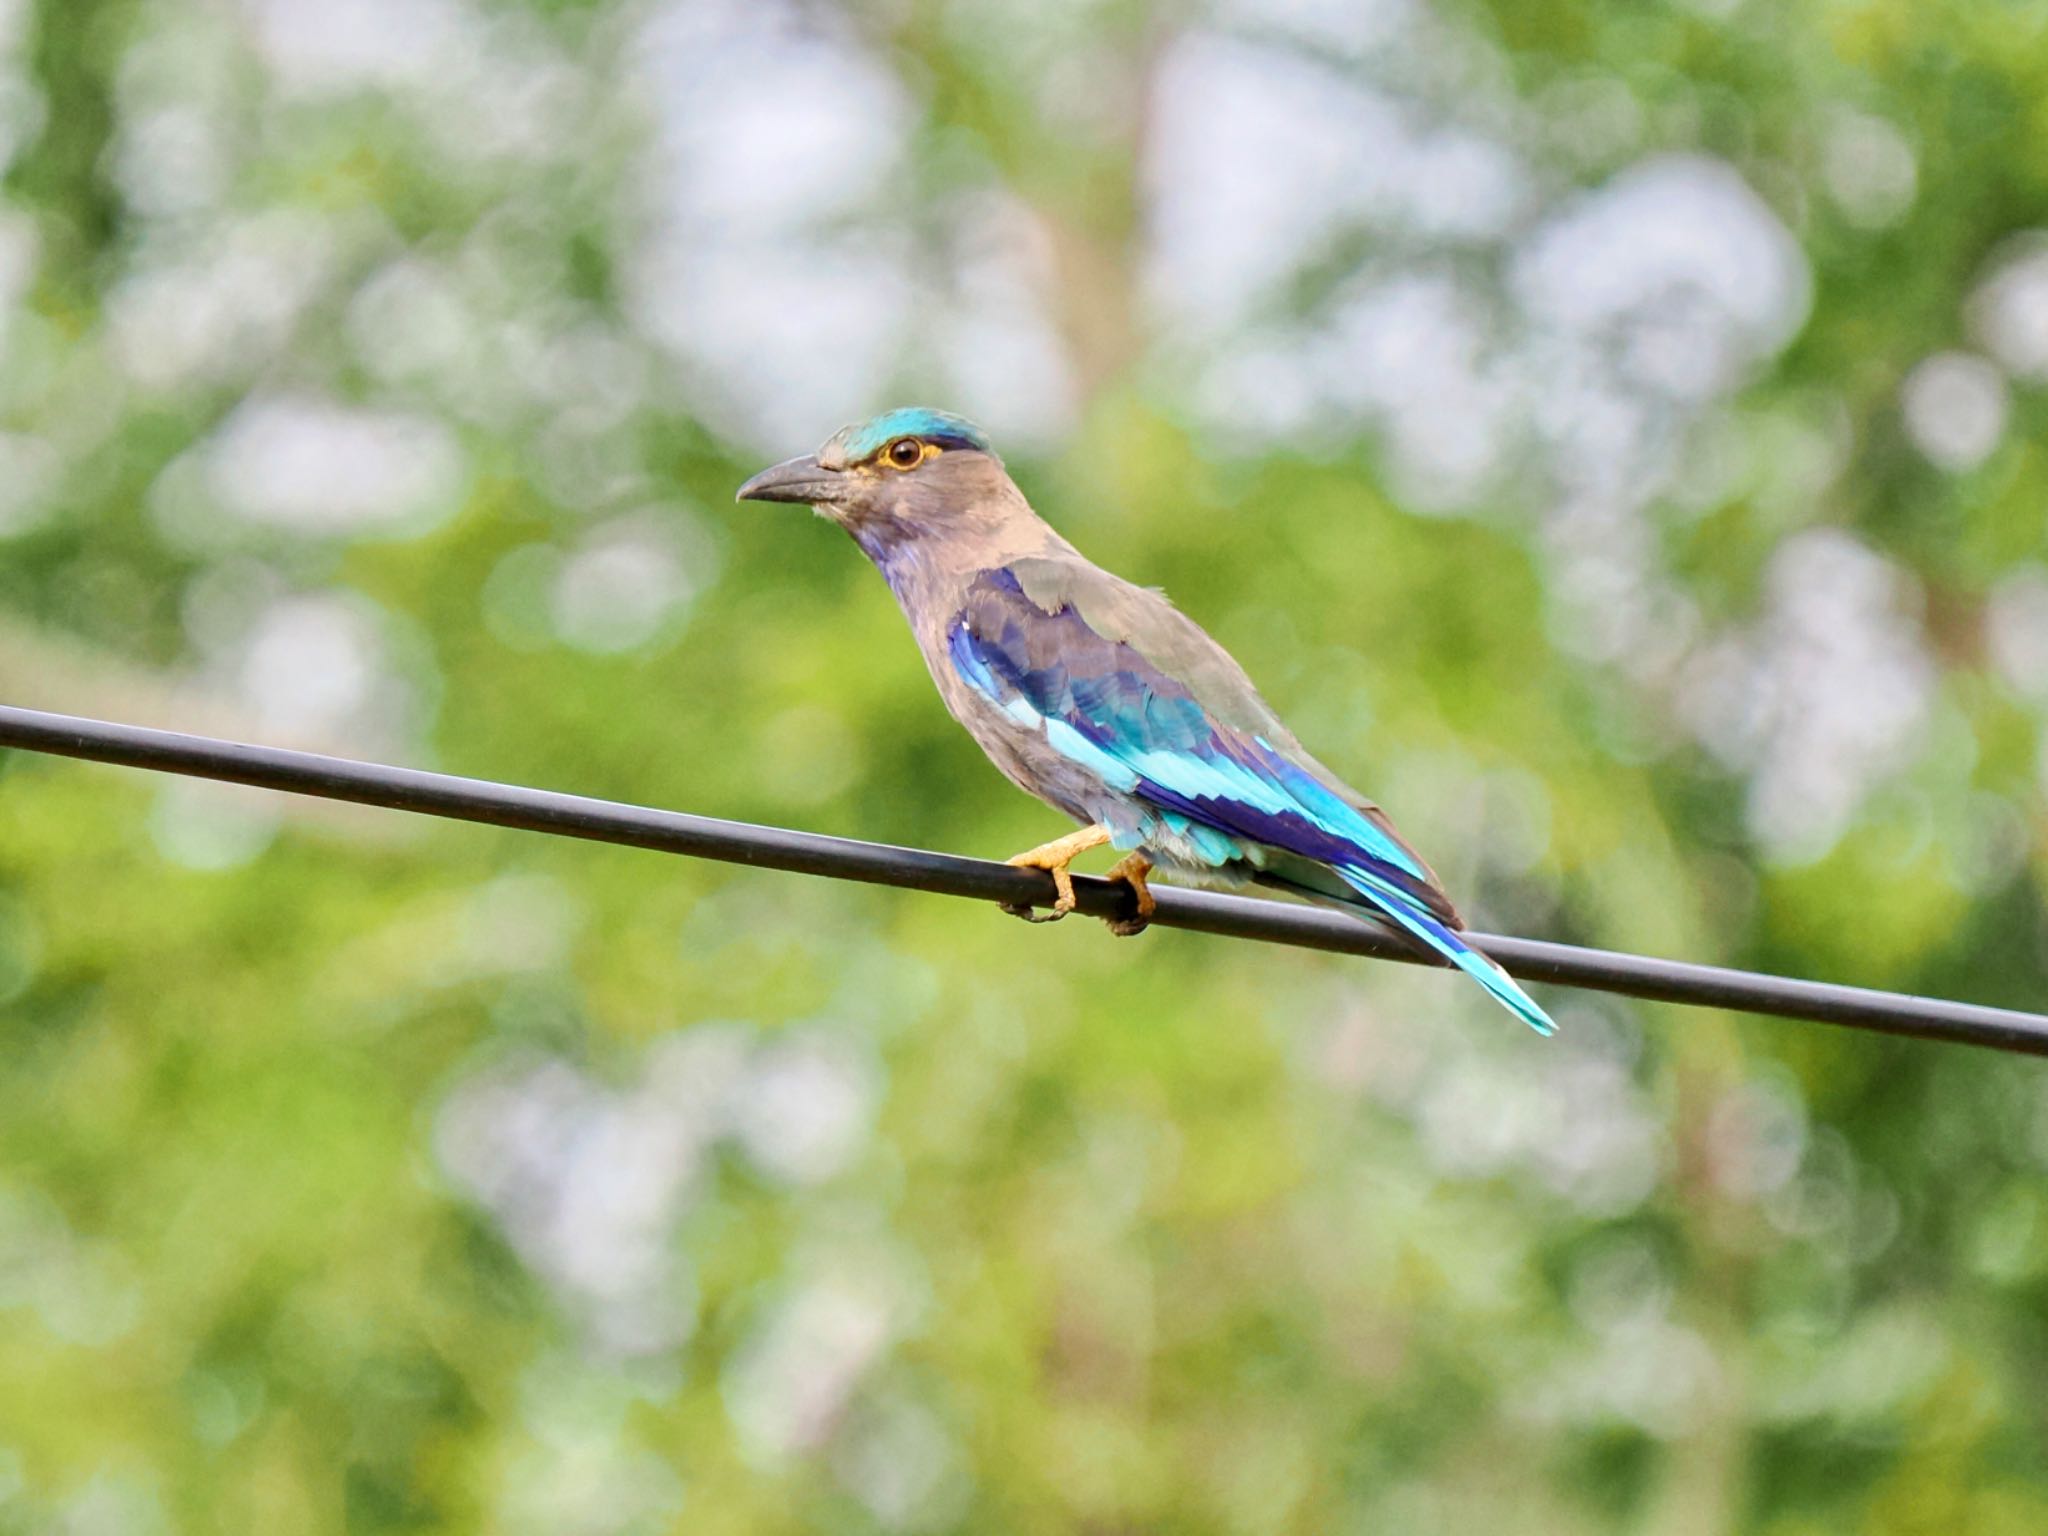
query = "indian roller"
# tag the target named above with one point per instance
(1104, 700)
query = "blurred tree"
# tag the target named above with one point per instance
(1609, 434)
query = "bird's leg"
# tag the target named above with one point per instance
(1132, 869)
(1053, 858)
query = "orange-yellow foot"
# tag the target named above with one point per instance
(1053, 858)
(1132, 869)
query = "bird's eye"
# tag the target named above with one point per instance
(906, 453)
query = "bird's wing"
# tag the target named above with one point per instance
(1130, 688)
(1126, 686)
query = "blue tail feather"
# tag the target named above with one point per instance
(1395, 904)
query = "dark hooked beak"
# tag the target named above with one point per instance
(799, 480)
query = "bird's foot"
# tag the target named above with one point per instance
(1132, 869)
(1053, 858)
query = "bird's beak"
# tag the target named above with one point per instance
(799, 480)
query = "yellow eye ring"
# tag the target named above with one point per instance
(906, 452)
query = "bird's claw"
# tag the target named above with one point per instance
(1132, 869)
(1028, 913)
(1062, 904)
(1053, 858)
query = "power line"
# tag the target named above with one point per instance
(810, 853)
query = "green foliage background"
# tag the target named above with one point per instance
(364, 1175)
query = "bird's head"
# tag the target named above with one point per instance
(908, 471)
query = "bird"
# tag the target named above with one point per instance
(1104, 700)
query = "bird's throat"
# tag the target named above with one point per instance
(893, 549)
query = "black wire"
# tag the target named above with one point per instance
(735, 842)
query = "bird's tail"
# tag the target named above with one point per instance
(1388, 902)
